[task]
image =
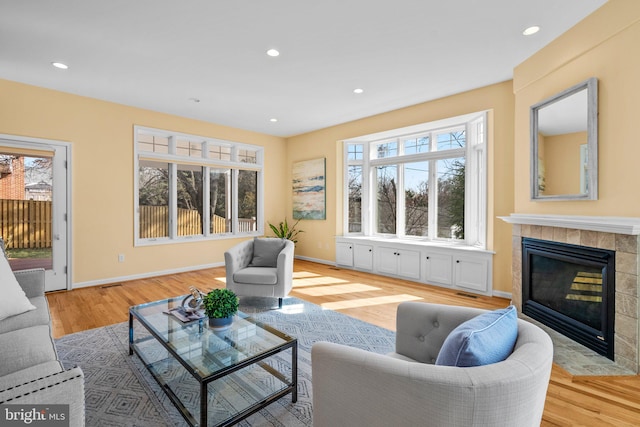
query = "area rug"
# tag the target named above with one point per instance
(119, 391)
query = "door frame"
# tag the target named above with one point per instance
(25, 142)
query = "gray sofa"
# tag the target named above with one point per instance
(30, 372)
(353, 387)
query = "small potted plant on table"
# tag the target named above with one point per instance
(220, 305)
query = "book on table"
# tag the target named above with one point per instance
(185, 316)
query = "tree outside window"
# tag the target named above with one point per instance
(188, 186)
(420, 183)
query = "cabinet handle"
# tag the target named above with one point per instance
(370, 250)
(458, 261)
(427, 257)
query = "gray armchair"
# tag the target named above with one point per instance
(262, 267)
(352, 387)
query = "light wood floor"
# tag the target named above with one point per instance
(571, 401)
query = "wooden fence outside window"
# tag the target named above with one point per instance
(154, 222)
(25, 224)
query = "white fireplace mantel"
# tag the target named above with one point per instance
(606, 224)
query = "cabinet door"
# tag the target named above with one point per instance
(471, 273)
(363, 257)
(344, 254)
(387, 261)
(438, 268)
(408, 264)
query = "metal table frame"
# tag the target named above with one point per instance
(204, 381)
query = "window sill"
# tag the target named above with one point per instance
(190, 239)
(417, 243)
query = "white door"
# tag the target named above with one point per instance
(34, 190)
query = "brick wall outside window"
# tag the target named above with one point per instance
(12, 184)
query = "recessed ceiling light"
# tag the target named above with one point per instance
(358, 91)
(273, 52)
(60, 65)
(273, 120)
(531, 30)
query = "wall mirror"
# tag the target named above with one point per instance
(564, 144)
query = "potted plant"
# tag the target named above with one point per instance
(283, 231)
(220, 305)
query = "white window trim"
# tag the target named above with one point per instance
(475, 154)
(173, 160)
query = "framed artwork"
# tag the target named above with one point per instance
(309, 185)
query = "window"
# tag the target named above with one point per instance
(425, 182)
(189, 200)
(416, 199)
(194, 187)
(386, 199)
(220, 201)
(153, 199)
(354, 192)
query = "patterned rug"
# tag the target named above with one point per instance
(119, 391)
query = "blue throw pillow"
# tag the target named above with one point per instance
(485, 339)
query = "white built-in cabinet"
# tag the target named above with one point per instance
(344, 254)
(363, 256)
(398, 261)
(470, 272)
(457, 267)
(437, 267)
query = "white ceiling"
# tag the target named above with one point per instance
(160, 54)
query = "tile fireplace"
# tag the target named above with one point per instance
(610, 276)
(571, 289)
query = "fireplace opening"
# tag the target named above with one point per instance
(571, 289)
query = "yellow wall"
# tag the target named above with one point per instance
(604, 45)
(318, 240)
(561, 157)
(101, 136)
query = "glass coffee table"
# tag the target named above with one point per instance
(214, 377)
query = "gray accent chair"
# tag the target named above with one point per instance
(271, 280)
(30, 371)
(353, 387)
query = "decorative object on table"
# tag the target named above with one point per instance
(191, 308)
(285, 232)
(193, 301)
(220, 305)
(309, 199)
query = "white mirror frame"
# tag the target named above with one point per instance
(591, 179)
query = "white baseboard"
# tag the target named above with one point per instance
(502, 294)
(318, 260)
(111, 280)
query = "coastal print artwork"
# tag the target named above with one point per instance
(309, 189)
